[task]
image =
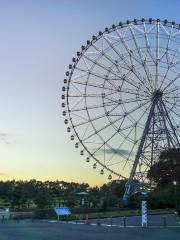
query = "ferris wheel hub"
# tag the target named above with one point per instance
(157, 94)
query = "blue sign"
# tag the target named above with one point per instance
(63, 211)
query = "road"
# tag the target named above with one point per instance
(65, 231)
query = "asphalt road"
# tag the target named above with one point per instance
(65, 231)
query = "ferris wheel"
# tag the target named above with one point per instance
(121, 99)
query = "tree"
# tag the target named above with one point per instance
(43, 198)
(167, 169)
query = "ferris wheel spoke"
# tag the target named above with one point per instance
(126, 47)
(117, 66)
(114, 62)
(130, 91)
(137, 108)
(175, 53)
(130, 53)
(79, 117)
(86, 64)
(172, 105)
(123, 78)
(104, 127)
(94, 106)
(95, 118)
(107, 112)
(148, 48)
(167, 71)
(173, 120)
(157, 56)
(101, 86)
(132, 69)
(77, 102)
(119, 147)
(126, 101)
(127, 113)
(92, 85)
(122, 143)
(164, 78)
(92, 73)
(110, 138)
(166, 53)
(101, 65)
(108, 125)
(142, 60)
(171, 91)
(117, 52)
(99, 76)
(128, 158)
(85, 131)
(137, 123)
(143, 113)
(110, 59)
(176, 113)
(126, 79)
(171, 82)
(175, 97)
(171, 65)
(90, 95)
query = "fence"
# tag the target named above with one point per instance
(168, 220)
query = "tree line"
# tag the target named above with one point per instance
(21, 195)
(33, 194)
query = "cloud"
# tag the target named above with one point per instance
(117, 151)
(7, 139)
(2, 174)
(2, 135)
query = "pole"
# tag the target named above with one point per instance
(144, 210)
(175, 195)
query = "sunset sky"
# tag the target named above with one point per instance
(37, 42)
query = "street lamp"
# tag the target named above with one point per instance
(175, 194)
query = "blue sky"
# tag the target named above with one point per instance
(37, 41)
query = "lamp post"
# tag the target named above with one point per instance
(175, 194)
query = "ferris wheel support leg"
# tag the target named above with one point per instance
(171, 125)
(128, 187)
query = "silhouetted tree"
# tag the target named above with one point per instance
(166, 169)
